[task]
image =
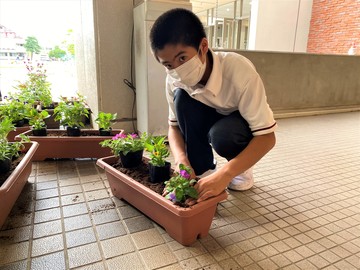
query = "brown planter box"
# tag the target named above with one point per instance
(12, 134)
(12, 187)
(185, 225)
(70, 147)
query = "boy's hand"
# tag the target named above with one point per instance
(211, 186)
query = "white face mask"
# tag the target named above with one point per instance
(189, 73)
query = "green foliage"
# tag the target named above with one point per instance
(158, 150)
(32, 45)
(71, 112)
(57, 53)
(125, 143)
(13, 109)
(8, 150)
(71, 49)
(104, 120)
(36, 89)
(180, 187)
(37, 118)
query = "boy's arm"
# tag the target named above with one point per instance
(215, 183)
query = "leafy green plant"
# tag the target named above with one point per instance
(180, 187)
(8, 150)
(71, 112)
(125, 143)
(37, 118)
(36, 89)
(158, 150)
(13, 109)
(104, 120)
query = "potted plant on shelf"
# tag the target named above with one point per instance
(14, 110)
(184, 224)
(159, 168)
(37, 121)
(17, 157)
(36, 90)
(129, 147)
(71, 113)
(105, 121)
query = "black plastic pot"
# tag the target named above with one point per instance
(73, 131)
(5, 165)
(104, 132)
(39, 132)
(19, 123)
(131, 159)
(159, 174)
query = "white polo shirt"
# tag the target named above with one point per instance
(233, 85)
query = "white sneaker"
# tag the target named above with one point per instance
(243, 181)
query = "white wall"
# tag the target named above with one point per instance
(280, 25)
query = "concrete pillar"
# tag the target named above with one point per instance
(152, 109)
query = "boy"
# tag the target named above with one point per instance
(216, 100)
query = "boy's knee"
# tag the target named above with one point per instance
(228, 143)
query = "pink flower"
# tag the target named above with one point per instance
(134, 136)
(119, 136)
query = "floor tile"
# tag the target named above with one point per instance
(302, 213)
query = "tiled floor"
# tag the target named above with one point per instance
(302, 213)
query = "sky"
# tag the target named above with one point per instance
(47, 20)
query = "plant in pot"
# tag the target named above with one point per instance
(71, 113)
(37, 121)
(8, 150)
(15, 168)
(159, 168)
(15, 110)
(180, 188)
(105, 121)
(128, 147)
(36, 90)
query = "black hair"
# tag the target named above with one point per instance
(176, 26)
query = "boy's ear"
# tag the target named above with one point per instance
(204, 44)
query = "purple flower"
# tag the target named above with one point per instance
(172, 196)
(185, 174)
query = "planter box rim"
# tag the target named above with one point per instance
(67, 138)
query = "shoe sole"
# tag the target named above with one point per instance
(240, 188)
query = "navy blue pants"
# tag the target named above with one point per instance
(203, 128)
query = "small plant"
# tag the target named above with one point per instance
(71, 112)
(37, 118)
(8, 150)
(158, 150)
(104, 120)
(13, 109)
(36, 89)
(180, 187)
(125, 143)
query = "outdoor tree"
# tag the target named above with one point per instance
(69, 42)
(32, 46)
(57, 53)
